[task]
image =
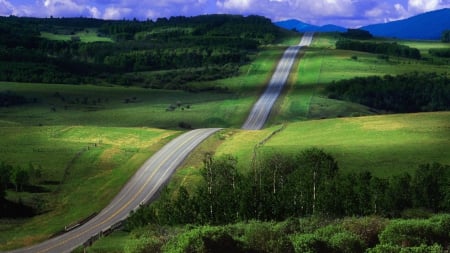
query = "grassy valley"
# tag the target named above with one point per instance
(80, 135)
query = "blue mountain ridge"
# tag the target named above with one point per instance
(300, 26)
(426, 26)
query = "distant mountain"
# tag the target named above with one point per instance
(427, 26)
(304, 27)
(424, 26)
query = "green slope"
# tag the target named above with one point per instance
(385, 145)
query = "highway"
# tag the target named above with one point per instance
(261, 110)
(140, 189)
(156, 171)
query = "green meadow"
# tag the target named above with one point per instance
(87, 36)
(88, 140)
(385, 145)
(83, 168)
(323, 64)
(53, 104)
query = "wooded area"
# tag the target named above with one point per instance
(206, 42)
(386, 48)
(413, 92)
(282, 186)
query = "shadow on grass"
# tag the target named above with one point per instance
(14, 210)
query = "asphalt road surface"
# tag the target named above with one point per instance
(261, 110)
(158, 169)
(140, 189)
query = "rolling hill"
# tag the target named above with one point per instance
(304, 27)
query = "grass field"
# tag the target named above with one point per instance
(136, 107)
(88, 35)
(385, 145)
(82, 170)
(97, 136)
(90, 139)
(323, 64)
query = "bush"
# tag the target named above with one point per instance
(367, 228)
(309, 243)
(143, 244)
(409, 233)
(387, 248)
(263, 238)
(203, 239)
(347, 242)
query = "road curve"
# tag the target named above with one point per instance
(158, 169)
(140, 189)
(261, 109)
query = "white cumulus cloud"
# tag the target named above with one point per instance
(350, 13)
(238, 5)
(116, 13)
(61, 8)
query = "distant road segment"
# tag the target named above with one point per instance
(261, 110)
(140, 189)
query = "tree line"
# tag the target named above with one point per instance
(281, 186)
(207, 41)
(444, 52)
(411, 92)
(446, 36)
(386, 48)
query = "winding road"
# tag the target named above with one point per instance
(157, 170)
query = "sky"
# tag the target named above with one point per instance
(347, 13)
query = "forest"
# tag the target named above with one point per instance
(307, 194)
(282, 186)
(412, 92)
(165, 44)
(383, 48)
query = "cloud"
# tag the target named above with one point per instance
(423, 5)
(238, 5)
(61, 8)
(6, 8)
(116, 13)
(349, 13)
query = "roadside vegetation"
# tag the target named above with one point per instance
(277, 189)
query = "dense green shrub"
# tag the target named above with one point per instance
(309, 243)
(409, 233)
(263, 237)
(202, 240)
(346, 242)
(387, 248)
(366, 228)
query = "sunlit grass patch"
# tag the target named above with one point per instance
(88, 35)
(385, 145)
(83, 168)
